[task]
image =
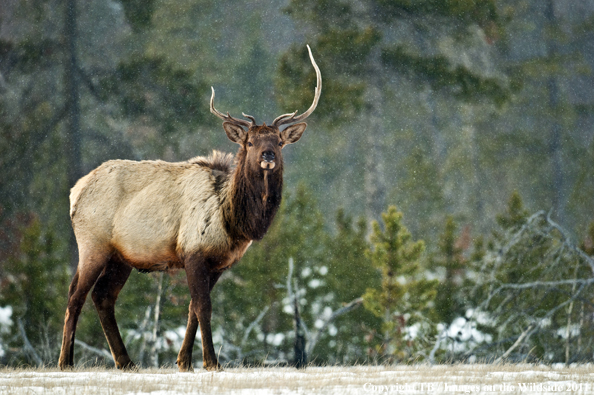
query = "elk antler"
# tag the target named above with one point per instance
(290, 117)
(229, 118)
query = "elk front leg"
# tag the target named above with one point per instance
(184, 358)
(199, 282)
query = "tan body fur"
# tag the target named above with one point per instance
(153, 213)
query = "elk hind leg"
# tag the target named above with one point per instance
(184, 358)
(104, 296)
(89, 268)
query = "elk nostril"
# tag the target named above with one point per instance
(268, 156)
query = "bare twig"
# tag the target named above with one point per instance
(440, 337)
(253, 324)
(154, 355)
(28, 348)
(517, 236)
(289, 277)
(516, 344)
(343, 310)
(544, 284)
(141, 330)
(547, 276)
(99, 351)
(589, 260)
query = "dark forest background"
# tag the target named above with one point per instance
(467, 123)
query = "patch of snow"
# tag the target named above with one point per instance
(332, 331)
(5, 320)
(315, 283)
(313, 380)
(478, 316)
(275, 339)
(462, 335)
(412, 331)
(5, 324)
(173, 338)
(574, 331)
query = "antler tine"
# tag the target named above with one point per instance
(282, 117)
(249, 117)
(291, 118)
(229, 118)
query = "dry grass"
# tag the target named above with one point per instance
(419, 379)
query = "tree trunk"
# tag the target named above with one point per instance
(72, 88)
(154, 355)
(300, 354)
(375, 182)
(555, 144)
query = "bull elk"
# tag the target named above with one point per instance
(200, 215)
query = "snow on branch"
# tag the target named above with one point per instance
(535, 290)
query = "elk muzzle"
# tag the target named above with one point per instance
(268, 160)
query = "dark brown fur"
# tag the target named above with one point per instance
(216, 161)
(253, 203)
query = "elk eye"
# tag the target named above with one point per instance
(280, 144)
(250, 144)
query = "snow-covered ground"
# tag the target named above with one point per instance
(417, 379)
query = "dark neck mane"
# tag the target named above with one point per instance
(251, 201)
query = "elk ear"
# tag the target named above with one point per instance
(293, 133)
(234, 132)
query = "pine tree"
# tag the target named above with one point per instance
(405, 297)
(450, 264)
(349, 275)
(35, 285)
(515, 214)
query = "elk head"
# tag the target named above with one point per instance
(262, 144)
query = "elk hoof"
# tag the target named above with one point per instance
(64, 366)
(184, 367)
(127, 366)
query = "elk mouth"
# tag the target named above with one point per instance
(267, 165)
